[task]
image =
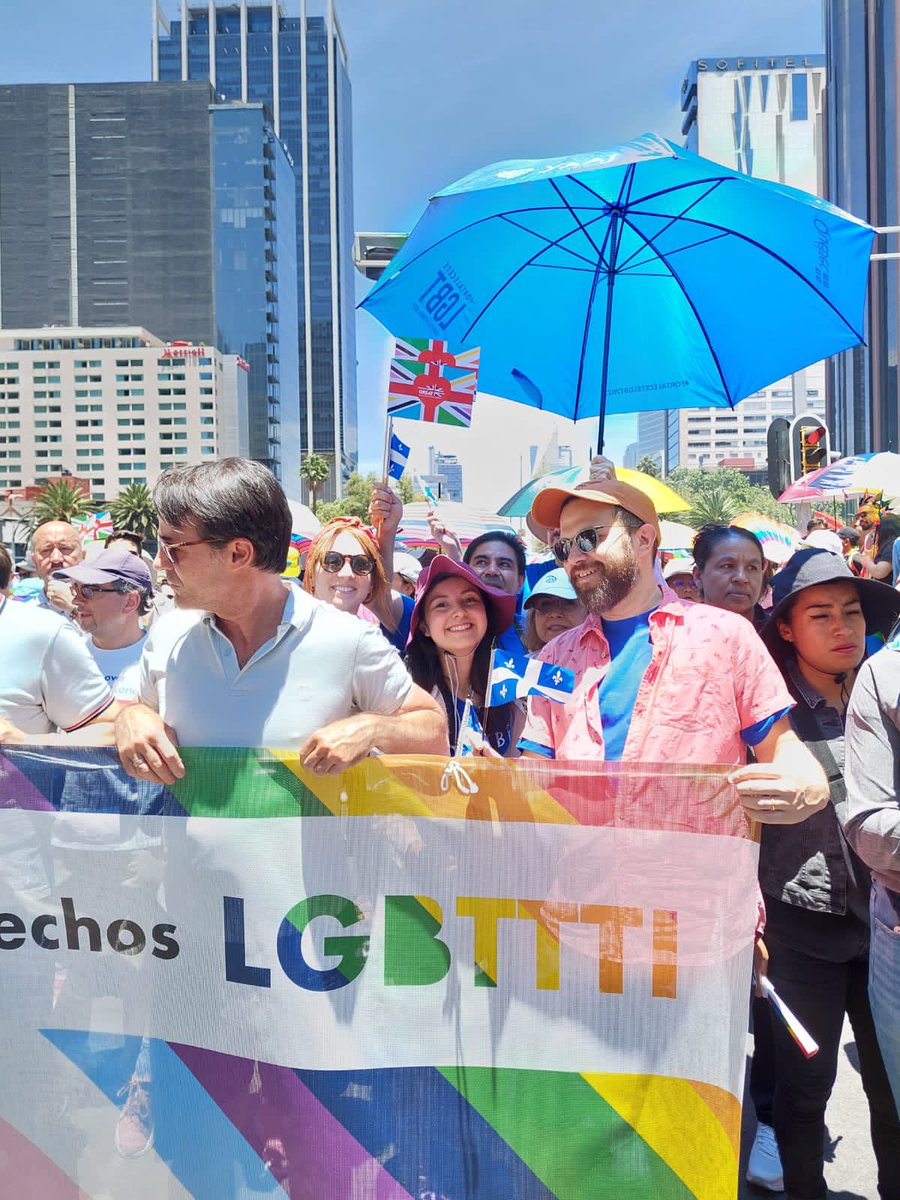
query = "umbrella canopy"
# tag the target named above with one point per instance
(664, 499)
(675, 536)
(841, 477)
(779, 541)
(467, 523)
(641, 277)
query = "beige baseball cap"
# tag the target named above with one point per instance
(548, 504)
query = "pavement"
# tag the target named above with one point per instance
(849, 1162)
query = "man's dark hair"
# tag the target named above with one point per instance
(709, 536)
(231, 498)
(127, 535)
(6, 567)
(815, 523)
(497, 535)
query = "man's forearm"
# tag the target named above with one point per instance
(419, 732)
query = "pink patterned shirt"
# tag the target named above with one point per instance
(709, 677)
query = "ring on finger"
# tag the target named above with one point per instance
(139, 762)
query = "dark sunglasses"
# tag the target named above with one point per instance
(360, 564)
(586, 541)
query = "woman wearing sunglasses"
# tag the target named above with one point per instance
(344, 569)
(455, 624)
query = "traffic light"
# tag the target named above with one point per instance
(778, 456)
(810, 446)
(813, 449)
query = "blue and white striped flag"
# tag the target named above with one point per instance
(515, 675)
(399, 457)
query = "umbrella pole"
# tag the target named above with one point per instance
(610, 286)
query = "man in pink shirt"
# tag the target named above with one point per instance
(659, 679)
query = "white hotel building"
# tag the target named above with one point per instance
(113, 406)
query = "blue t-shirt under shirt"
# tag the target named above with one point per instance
(630, 651)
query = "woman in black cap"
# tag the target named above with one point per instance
(816, 889)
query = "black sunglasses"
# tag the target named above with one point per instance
(586, 541)
(360, 564)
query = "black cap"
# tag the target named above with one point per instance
(809, 568)
(848, 533)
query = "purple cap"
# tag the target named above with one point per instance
(109, 565)
(499, 606)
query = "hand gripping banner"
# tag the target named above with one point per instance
(520, 979)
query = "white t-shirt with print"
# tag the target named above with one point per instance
(121, 668)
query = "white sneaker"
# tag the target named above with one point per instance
(764, 1164)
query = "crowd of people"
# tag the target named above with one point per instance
(789, 675)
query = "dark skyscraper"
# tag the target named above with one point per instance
(862, 42)
(297, 65)
(142, 204)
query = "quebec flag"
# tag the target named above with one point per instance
(515, 675)
(398, 457)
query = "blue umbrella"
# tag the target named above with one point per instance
(642, 277)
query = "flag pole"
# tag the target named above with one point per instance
(386, 458)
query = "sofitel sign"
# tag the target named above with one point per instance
(757, 64)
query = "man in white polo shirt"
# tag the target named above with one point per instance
(261, 663)
(48, 680)
(111, 593)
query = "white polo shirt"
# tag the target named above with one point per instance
(48, 679)
(320, 666)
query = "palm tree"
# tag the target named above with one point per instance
(134, 510)
(58, 500)
(314, 470)
(714, 500)
(648, 465)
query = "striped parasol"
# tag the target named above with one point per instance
(779, 541)
(467, 523)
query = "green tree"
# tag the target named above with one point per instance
(355, 501)
(314, 470)
(648, 465)
(721, 494)
(134, 510)
(58, 500)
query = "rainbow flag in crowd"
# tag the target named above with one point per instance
(384, 984)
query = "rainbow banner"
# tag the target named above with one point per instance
(414, 981)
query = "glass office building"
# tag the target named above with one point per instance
(297, 64)
(862, 41)
(143, 204)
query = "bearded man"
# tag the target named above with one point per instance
(658, 679)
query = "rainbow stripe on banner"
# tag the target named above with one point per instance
(378, 986)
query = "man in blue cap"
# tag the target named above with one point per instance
(111, 594)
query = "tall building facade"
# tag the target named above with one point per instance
(114, 405)
(145, 205)
(762, 116)
(862, 41)
(298, 65)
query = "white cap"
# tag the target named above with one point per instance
(407, 566)
(824, 539)
(678, 566)
(554, 583)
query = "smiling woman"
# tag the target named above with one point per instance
(455, 623)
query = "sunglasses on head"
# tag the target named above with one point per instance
(586, 541)
(360, 564)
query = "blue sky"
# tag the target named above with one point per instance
(443, 86)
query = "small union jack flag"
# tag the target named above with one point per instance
(431, 392)
(430, 350)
